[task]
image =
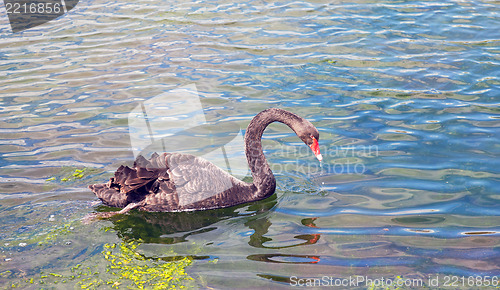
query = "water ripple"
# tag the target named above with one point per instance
(443, 233)
(417, 82)
(460, 208)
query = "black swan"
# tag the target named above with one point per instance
(181, 182)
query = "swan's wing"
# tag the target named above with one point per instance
(196, 179)
(165, 182)
(131, 184)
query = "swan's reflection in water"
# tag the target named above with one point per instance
(176, 227)
(261, 227)
(173, 228)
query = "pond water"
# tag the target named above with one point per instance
(405, 95)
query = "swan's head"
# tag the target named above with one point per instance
(310, 135)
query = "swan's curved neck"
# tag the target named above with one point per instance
(263, 178)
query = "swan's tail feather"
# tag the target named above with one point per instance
(109, 196)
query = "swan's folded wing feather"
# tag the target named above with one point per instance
(139, 178)
(126, 179)
(196, 179)
(130, 183)
(164, 197)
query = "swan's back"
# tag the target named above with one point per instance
(172, 182)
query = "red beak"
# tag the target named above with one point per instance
(315, 149)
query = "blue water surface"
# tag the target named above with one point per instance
(405, 95)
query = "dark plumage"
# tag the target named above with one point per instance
(183, 182)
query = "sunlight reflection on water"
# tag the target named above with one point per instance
(418, 81)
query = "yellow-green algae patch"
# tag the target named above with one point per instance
(129, 268)
(119, 266)
(72, 174)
